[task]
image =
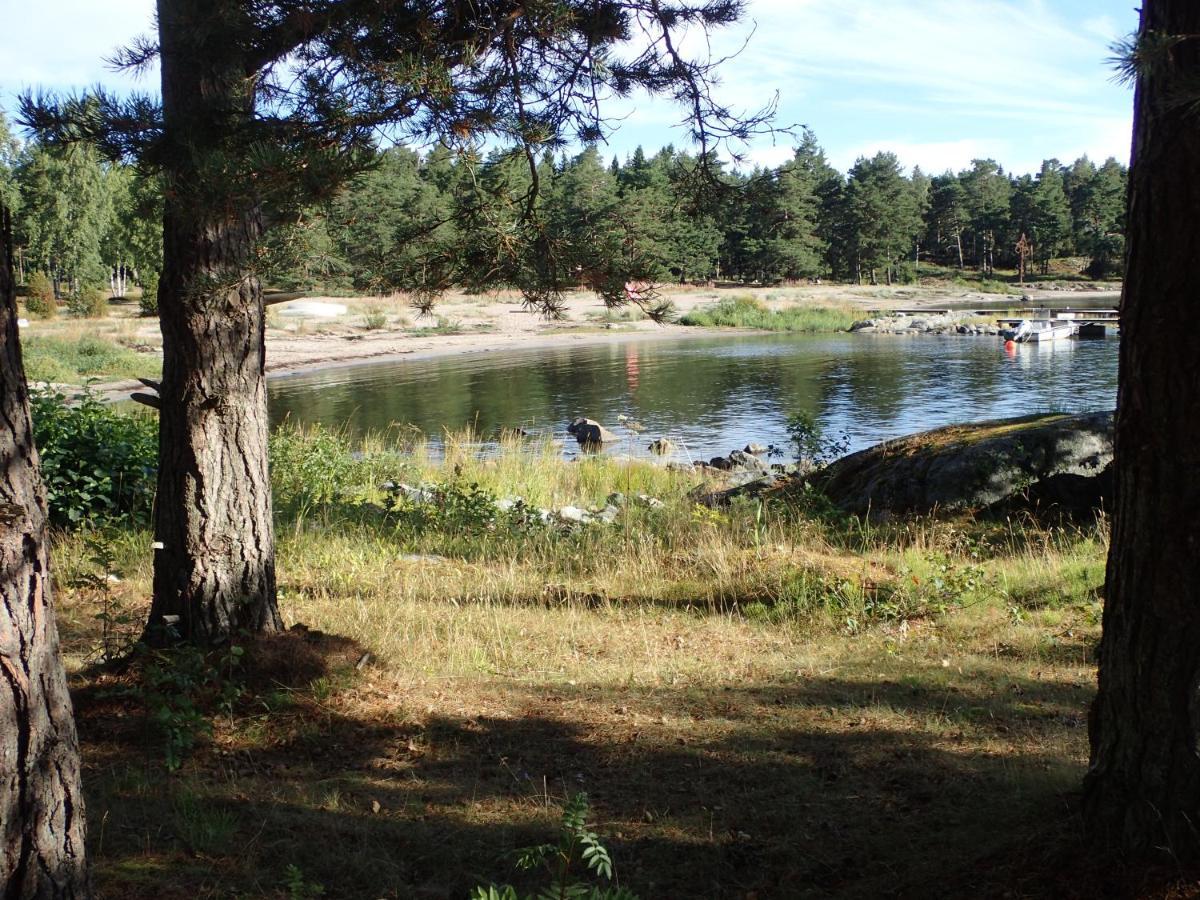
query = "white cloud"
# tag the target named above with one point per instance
(934, 157)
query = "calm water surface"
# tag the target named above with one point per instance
(712, 395)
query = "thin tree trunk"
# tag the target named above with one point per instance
(42, 824)
(1143, 784)
(214, 569)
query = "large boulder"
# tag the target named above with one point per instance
(1043, 459)
(591, 433)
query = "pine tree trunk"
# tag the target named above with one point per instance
(215, 568)
(1143, 785)
(41, 804)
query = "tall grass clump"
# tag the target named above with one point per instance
(748, 312)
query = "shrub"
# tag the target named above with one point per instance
(374, 318)
(39, 300)
(98, 464)
(745, 311)
(149, 302)
(89, 303)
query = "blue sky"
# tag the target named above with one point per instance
(938, 82)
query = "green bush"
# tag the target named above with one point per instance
(149, 302)
(89, 303)
(39, 298)
(98, 464)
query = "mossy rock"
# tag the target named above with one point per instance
(974, 466)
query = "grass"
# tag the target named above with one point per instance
(69, 360)
(744, 311)
(764, 701)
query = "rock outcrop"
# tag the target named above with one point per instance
(1052, 459)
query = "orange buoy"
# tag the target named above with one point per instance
(1010, 345)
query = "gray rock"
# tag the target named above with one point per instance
(754, 487)
(574, 514)
(608, 515)
(616, 498)
(740, 459)
(590, 432)
(969, 466)
(755, 449)
(662, 446)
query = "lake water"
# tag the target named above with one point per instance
(711, 395)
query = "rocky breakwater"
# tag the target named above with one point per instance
(1053, 460)
(938, 323)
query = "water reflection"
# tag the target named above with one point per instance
(711, 395)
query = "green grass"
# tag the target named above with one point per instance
(70, 361)
(791, 702)
(747, 312)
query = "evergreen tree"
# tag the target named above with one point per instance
(986, 194)
(1041, 212)
(1100, 222)
(947, 217)
(1143, 783)
(882, 218)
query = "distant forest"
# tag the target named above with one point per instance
(428, 221)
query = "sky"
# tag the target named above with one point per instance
(938, 82)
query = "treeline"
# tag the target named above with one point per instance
(426, 222)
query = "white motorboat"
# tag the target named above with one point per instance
(1035, 331)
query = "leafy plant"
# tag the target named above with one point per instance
(297, 887)
(578, 846)
(98, 464)
(119, 628)
(811, 443)
(180, 685)
(451, 506)
(374, 319)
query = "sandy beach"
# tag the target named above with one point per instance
(497, 321)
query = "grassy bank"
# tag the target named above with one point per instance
(764, 700)
(749, 312)
(76, 358)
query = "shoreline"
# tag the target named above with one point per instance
(464, 325)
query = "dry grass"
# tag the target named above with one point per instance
(913, 725)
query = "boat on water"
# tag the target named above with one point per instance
(1036, 331)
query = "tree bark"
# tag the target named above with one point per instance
(214, 567)
(41, 804)
(1143, 785)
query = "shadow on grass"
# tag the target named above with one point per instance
(818, 787)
